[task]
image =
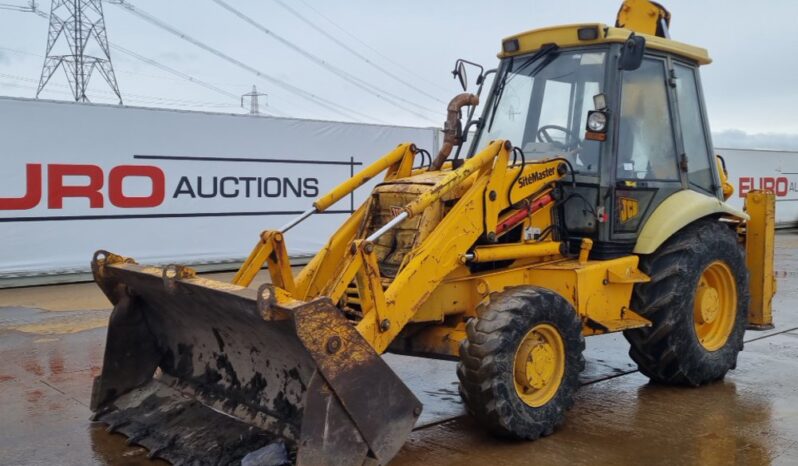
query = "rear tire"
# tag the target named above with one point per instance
(691, 343)
(519, 366)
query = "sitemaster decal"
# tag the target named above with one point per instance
(535, 176)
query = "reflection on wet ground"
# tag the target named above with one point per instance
(48, 359)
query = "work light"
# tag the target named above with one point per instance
(597, 121)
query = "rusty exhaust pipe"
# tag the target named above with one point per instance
(452, 128)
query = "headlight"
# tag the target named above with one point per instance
(597, 122)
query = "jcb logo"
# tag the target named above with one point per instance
(628, 209)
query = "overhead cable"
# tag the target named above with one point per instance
(354, 52)
(377, 52)
(320, 101)
(149, 61)
(352, 79)
(161, 66)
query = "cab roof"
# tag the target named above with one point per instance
(568, 36)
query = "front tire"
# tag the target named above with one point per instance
(697, 300)
(519, 366)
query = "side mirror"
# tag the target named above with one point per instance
(632, 53)
(460, 73)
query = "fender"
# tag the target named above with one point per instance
(676, 212)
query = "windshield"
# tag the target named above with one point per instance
(542, 106)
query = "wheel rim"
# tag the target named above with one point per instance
(539, 365)
(715, 306)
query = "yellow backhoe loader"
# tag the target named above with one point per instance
(590, 202)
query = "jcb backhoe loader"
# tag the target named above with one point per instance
(590, 202)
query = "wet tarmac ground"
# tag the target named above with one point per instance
(51, 347)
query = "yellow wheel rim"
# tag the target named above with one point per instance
(715, 306)
(539, 365)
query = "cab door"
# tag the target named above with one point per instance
(698, 159)
(647, 166)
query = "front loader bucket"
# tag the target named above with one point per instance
(205, 372)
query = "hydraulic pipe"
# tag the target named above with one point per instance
(323, 203)
(514, 251)
(519, 216)
(387, 227)
(298, 220)
(360, 178)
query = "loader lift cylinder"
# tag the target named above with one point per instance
(298, 220)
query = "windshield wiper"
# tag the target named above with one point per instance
(546, 50)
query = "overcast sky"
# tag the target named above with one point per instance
(751, 86)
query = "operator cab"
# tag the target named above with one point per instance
(625, 110)
(543, 105)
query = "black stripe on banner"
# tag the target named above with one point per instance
(140, 216)
(243, 159)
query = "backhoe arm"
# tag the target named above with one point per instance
(644, 17)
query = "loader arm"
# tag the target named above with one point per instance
(476, 214)
(271, 250)
(495, 187)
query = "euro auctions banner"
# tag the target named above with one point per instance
(770, 170)
(167, 186)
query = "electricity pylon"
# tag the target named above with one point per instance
(77, 22)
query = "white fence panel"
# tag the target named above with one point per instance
(168, 186)
(765, 169)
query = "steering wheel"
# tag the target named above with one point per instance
(572, 140)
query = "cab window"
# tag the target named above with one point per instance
(541, 106)
(646, 148)
(694, 137)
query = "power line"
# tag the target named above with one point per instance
(320, 101)
(27, 9)
(32, 8)
(355, 52)
(187, 77)
(137, 96)
(21, 52)
(408, 69)
(129, 97)
(173, 71)
(354, 80)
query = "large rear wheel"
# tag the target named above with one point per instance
(697, 300)
(519, 367)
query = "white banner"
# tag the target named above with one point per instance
(189, 187)
(169, 186)
(775, 171)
